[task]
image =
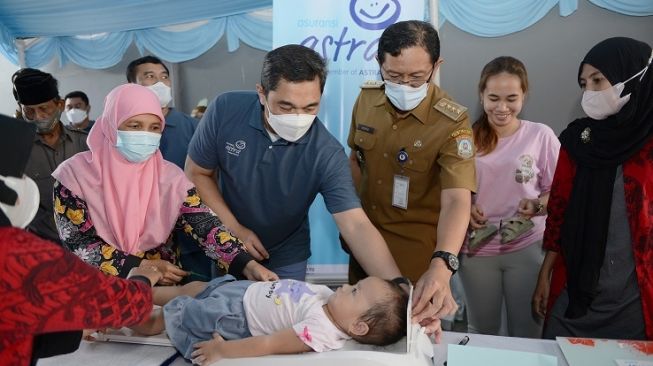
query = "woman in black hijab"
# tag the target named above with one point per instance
(601, 206)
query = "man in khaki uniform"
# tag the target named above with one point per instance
(37, 95)
(412, 162)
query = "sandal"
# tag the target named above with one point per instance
(514, 227)
(481, 236)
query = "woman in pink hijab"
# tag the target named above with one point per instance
(118, 205)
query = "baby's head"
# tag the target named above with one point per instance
(373, 311)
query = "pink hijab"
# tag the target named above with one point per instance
(134, 206)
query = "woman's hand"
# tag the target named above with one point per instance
(152, 273)
(255, 271)
(528, 207)
(171, 274)
(477, 219)
(541, 296)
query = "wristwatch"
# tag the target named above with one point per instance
(539, 207)
(449, 259)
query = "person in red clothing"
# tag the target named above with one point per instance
(599, 230)
(47, 294)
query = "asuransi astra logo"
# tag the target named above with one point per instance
(235, 148)
(374, 14)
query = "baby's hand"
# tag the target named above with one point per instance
(207, 352)
(87, 334)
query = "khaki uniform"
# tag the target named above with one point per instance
(42, 162)
(436, 144)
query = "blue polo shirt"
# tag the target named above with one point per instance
(269, 186)
(178, 131)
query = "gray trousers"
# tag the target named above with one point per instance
(511, 277)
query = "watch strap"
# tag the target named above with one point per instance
(445, 257)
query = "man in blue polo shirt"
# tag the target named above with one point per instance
(273, 156)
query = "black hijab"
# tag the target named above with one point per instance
(598, 148)
(16, 139)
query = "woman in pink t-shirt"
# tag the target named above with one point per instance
(515, 163)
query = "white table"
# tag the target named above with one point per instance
(544, 346)
(114, 354)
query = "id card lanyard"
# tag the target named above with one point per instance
(401, 183)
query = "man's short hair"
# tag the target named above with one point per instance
(406, 34)
(131, 68)
(293, 63)
(78, 94)
(32, 86)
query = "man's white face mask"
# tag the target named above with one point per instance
(22, 213)
(290, 127)
(163, 93)
(75, 116)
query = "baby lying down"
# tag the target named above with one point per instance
(226, 318)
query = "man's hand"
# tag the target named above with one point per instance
(252, 243)
(171, 273)
(208, 352)
(432, 298)
(254, 271)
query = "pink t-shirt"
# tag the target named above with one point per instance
(521, 166)
(283, 304)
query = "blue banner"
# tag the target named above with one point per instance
(346, 33)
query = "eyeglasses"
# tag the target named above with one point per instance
(414, 82)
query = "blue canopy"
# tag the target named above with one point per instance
(96, 33)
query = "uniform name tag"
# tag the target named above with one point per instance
(364, 128)
(400, 191)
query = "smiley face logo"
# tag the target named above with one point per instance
(374, 14)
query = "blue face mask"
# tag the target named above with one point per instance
(137, 146)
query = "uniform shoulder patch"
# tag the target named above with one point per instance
(461, 132)
(465, 146)
(464, 142)
(372, 84)
(450, 108)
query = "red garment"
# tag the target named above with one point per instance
(638, 187)
(45, 288)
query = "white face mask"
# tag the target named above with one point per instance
(137, 146)
(75, 116)
(405, 97)
(601, 104)
(22, 213)
(163, 92)
(290, 127)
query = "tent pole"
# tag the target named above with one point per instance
(176, 87)
(434, 7)
(20, 46)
